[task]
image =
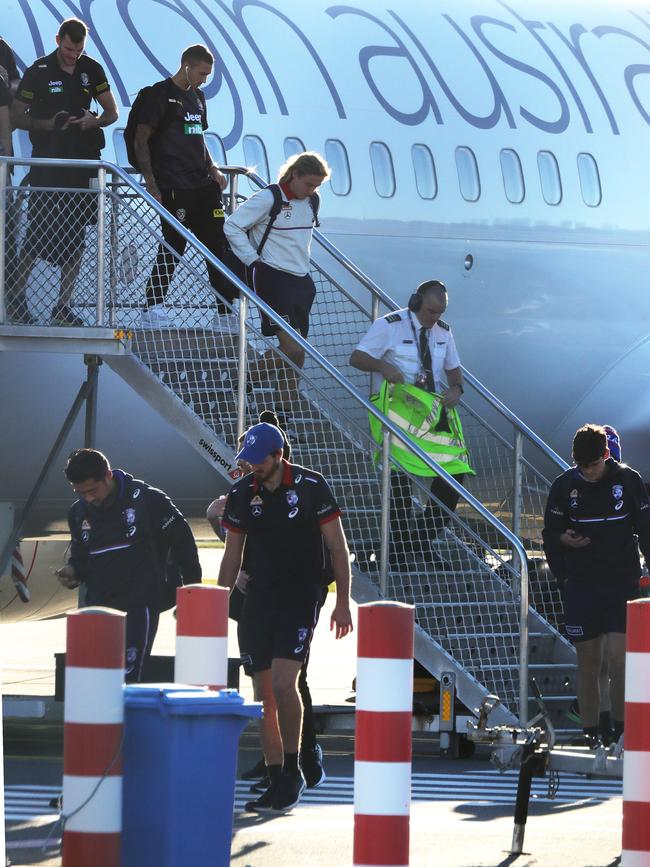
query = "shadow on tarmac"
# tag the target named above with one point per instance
(486, 812)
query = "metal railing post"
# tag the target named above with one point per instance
(375, 308)
(523, 639)
(101, 243)
(233, 193)
(517, 481)
(4, 209)
(242, 372)
(385, 512)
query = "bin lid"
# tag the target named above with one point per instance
(176, 699)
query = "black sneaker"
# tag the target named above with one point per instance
(311, 763)
(18, 314)
(288, 791)
(261, 785)
(257, 772)
(63, 315)
(573, 712)
(265, 800)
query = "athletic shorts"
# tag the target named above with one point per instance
(57, 224)
(289, 295)
(591, 610)
(269, 629)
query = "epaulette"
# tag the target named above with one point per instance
(394, 317)
(443, 324)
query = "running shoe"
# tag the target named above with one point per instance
(288, 791)
(311, 763)
(257, 772)
(19, 314)
(265, 800)
(573, 713)
(63, 315)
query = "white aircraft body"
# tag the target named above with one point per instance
(497, 145)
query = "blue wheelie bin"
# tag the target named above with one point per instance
(180, 759)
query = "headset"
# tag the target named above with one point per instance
(415, 301)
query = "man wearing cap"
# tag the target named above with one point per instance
(284, 513)
(597, 516)
(415, 346)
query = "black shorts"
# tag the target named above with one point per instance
(270, 628)
(289, 295)
(57, 224)
(595, 609)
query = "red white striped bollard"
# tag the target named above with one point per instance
(92, 737)
(636, 762)
(384, 719)
(202, 636)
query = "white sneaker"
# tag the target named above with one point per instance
(155, 317)
(226, 323)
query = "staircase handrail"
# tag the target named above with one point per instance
(514, 542)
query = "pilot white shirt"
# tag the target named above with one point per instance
(395, 338)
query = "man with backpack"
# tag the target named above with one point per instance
(130, 548)
(165, 142)
(271, 234)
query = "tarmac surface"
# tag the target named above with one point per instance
(461, 813)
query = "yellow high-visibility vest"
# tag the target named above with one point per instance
(418, 414)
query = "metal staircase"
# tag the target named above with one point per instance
(473, 613)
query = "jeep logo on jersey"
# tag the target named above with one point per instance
(192, 124)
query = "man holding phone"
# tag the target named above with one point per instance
(53, 104)
(597, 516)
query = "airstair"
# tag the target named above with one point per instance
(488, 612)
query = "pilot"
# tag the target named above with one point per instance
(414, 346)
(53, 104)
(129, 544)
(178, 170)
(282, 513)
(275, 245)
(594, 514)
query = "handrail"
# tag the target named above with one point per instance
(385, 299)
(387, 424)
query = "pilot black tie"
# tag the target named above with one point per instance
(425, 358)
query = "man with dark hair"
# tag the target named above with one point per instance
(284, 514)
(415, 347)
(597, 516)
(129, 542)
(53, 103)
(178, 171)
(311, 753)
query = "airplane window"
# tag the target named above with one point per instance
(592, 192)
(215, 147)
(292, 146)
(424, 167)
(337, 157)
(256, 159)
(513, 177)
(119, 146)
(382, 169)
(468, 177)
(549, 178)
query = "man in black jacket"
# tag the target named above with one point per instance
(125, 537)
(597, 516)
